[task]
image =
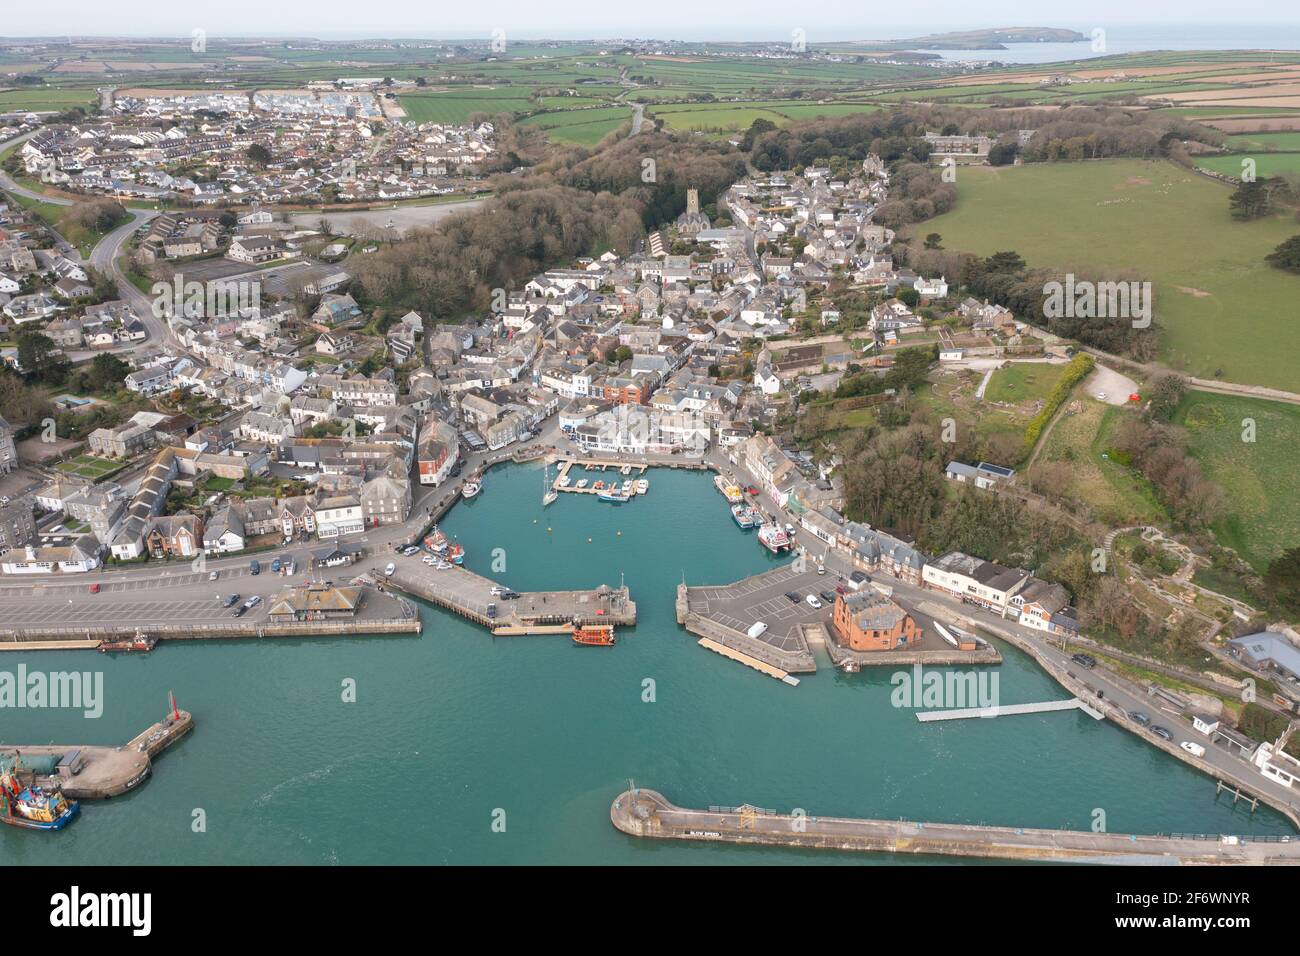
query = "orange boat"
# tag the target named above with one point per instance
(594, 635)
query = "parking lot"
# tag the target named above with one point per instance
(763, 598)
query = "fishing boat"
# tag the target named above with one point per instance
(436, 541)
(470, 489)
(613, 495)
(850, 666)
(582, 482)
(598, 485)
(642, 486)
(456, 554)
(720, 482)
(30, 807)
(629, 488)
(745, 516)
(593, 635)
(137, 643)
(774, 538)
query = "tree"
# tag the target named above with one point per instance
(934, 241)
(38, 354)
(106, 371)
(1286, 256)
(1166, 393)
(1283, 578)
(258, 154)
(1251, 200)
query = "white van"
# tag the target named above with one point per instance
(1196, 750)
(757, 629)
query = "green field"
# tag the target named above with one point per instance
(1261, 478)
(1266, 164)
(456, 107)
(581, 127)
(1022, 382)
(41, 99)
(1283, 142)
(1220, 306)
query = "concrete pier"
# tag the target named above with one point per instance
(469, 594)
(99, 773)
(647, 813)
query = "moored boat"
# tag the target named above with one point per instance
(642, 486)
(613, 495)
(593, 635)
(138, 643)
(30, 807)
(456, 554)
(436, 541)
(774, 538)
(850, 666)
(470, 489)
(745, 516)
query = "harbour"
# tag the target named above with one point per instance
(547, 731)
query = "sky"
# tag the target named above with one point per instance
(665, 19)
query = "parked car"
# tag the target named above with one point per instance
(230, 601)
(492, 610)
(756, 629)
(509, 595)
(389, 569)
(253, 602)
(275, 566)
(1139, 718)
(841, 589)
(793, 597)
(94, 589)
(751, 490)
(214, 575)
(254, 567)
(1162, 732)
(239, 611)
(1195, 749)
(828, 596)
(813, 602)
(1084, 660)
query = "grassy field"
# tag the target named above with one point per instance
(1116, 494)
(1262, 479)
(1266, 164)
(582, 127)
(42, 98)
(1220, 306)
(1023, 382)
(458, 105)
(1266, 141)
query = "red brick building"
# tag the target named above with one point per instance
(867, 621)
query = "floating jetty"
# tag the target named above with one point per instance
(1007, 710)
(647, 813)
(532, 612)
(625, 473)
(86, 772)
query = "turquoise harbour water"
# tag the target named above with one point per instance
(454, 725)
